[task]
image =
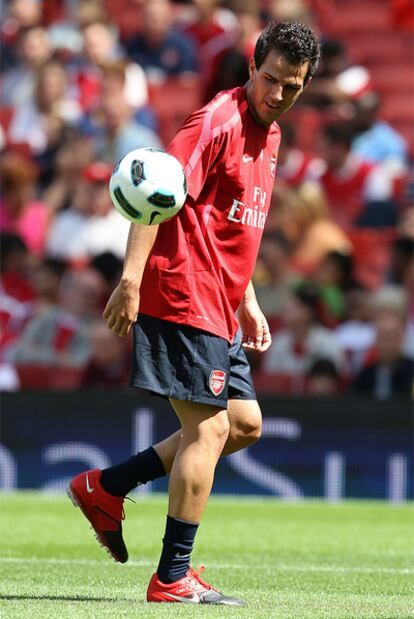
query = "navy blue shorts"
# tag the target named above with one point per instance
(184, 363)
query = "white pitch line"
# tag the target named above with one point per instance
(276, 567)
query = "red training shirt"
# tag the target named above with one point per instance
(345, 191)
(203, 259)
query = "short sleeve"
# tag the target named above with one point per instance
(196, 149)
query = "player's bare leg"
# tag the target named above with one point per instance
(107, 497)
(204, 433)
(245, 428)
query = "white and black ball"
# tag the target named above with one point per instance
(148, 186)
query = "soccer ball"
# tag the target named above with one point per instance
(148, 186)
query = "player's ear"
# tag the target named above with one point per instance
(252, 67)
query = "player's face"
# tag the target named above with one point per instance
(274, 88)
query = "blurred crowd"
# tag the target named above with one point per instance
(85, 81)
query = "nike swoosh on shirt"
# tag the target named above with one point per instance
(88, 488)
(247, 158)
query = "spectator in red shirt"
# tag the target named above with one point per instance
(209, 21)
(59, 337)
(213, 29)
(100, 48)
(46, 278)
(359, 193)
(229, 53)
(294, 166)
(16, 291)
(108, 365)
(16, 264)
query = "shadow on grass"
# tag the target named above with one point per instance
(67, 598)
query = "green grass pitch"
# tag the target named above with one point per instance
(308, 560)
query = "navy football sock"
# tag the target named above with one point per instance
(177, 546)
(122, 478)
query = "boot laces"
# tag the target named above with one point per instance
(123, 510)
(197, 576)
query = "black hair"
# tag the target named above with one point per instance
(401, 258)
(108, 265)
(296, 42)
(330, 48)
(323, 367)
(308, 294)
(344, 262)
(11, 243)
(277, 237)
(339, 133)
(404, 247)
(54, 265)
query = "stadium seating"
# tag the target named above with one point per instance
(371, 253)
(48, 377)
(361, 16)
(278, 383)
(365, 50)
(368, 30)
(309, 122)
(172, 101)
(6, 114)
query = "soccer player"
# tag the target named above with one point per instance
(182, 285)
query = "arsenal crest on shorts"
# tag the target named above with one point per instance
(217, 381)
(272, 164)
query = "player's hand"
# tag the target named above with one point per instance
(121, 311)
(254, 326)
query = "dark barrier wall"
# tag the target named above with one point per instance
(330, 448)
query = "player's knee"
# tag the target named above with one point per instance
(214, 432)
(252, 427)
(222, 427)
(249, 427)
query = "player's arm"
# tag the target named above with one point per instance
(122, 308)
(196, 148)
(253, 323)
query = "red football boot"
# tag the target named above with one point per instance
(188, 590)
(104, 511)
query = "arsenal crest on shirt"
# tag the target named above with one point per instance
(217, 381)
(272, 164)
